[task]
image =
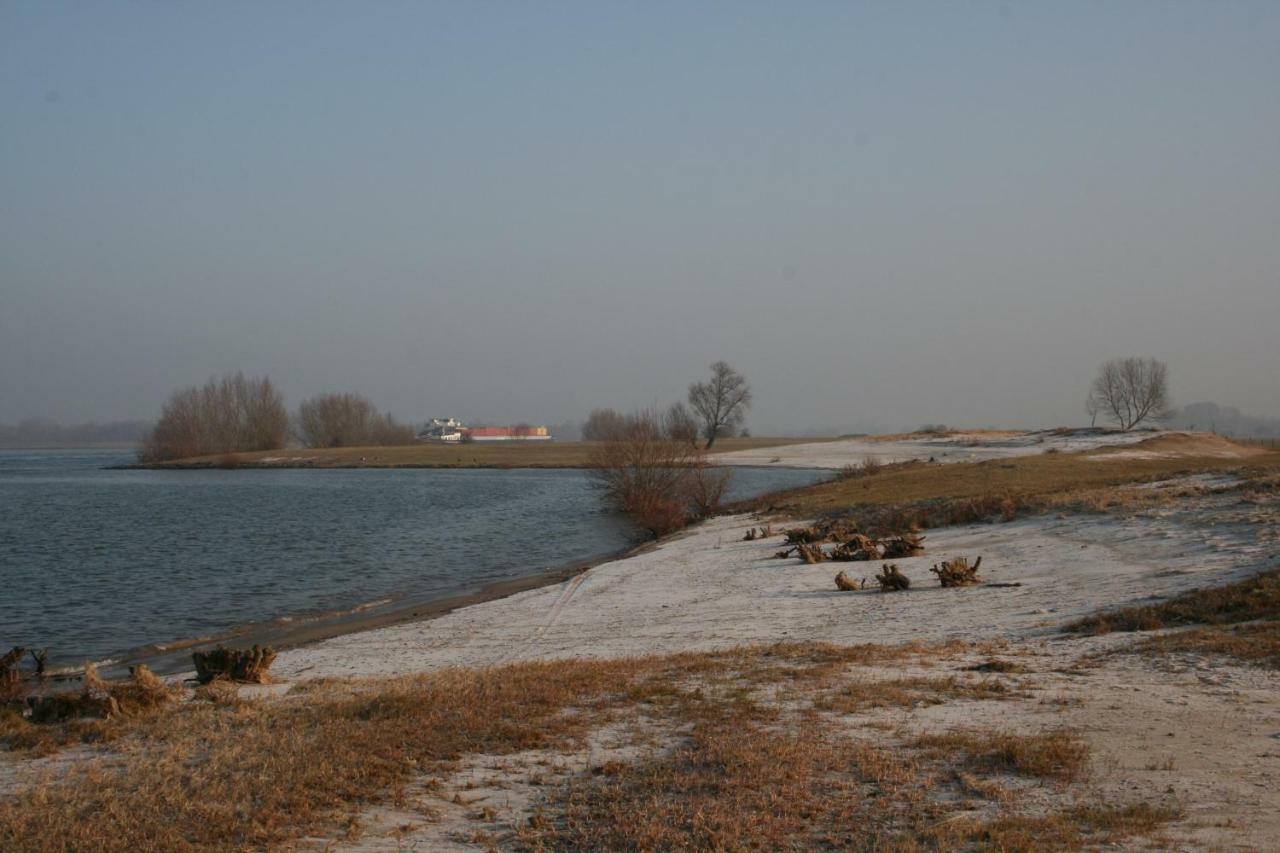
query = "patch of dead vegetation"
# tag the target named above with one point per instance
(1242, 621)
(745, 748)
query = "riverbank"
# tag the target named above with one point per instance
(505, 454)
(708, 693)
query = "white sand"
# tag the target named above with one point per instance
(708, 589)
(954, 447)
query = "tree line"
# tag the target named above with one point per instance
(238, 414)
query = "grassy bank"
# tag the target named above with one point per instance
(1012, 483)
(546, 454)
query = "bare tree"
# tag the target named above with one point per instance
(347, 420)
(226, 415)
(658, 480)
(680, 423)
(602, 424)
(722, 403)
(1130, 391)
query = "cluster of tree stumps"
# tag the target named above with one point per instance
(854, 546)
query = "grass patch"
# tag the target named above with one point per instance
(745, 762)
(1242, 621)
(932, 495)
(505, 454)
(1058, 755)
(1251, 599)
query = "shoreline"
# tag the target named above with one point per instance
(297, 632)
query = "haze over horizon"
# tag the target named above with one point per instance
(882, 214)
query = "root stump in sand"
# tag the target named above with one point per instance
(856, 549)
(848, 584)
(906, 545)
(811, 553)
(892, 579)
(958, 572)
(235, 664)
(9, 666)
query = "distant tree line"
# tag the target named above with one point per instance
(236, 414)
(41, 432)
(1225, 420)
(716, 409)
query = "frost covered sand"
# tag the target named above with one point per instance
(708, 589)
(974, 446)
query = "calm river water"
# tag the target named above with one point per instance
(97, 563)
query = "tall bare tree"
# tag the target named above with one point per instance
(1130, 391)
(721, 404)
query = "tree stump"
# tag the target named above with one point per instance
(958, 572)
(249, 665)
(811, 553)
(906, 545)
(892, 579)
(848, 584)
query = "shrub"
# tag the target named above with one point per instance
(651, 473)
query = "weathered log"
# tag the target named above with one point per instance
(848, 584)
(249, 665)
(40, 658)
(751, 536)
(892, 579)
(958, 572)
(906, 545)
(858, 548)
(784, 553)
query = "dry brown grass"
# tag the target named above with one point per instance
(746, 764)
(1058, 755)
(1255, 602)
(1254, 598)
(921, 495)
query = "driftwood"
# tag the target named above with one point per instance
(848, 584)
(804, 535)
(906, 545)
(811, 553)
(784, 553)
(958, 572)
(234, 664)
(892, 579)
(858, 548)
(40, 658)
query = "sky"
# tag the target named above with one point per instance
(882, 213)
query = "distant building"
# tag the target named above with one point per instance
(442, 429)
(511, 433)
(452, 430)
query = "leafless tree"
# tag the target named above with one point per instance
(226, 415)
(1130, 391)
(347, 420)
(722, 403)
(602, 424)
(680, 423)
(658, 480)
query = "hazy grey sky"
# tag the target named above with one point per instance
(885, 213)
